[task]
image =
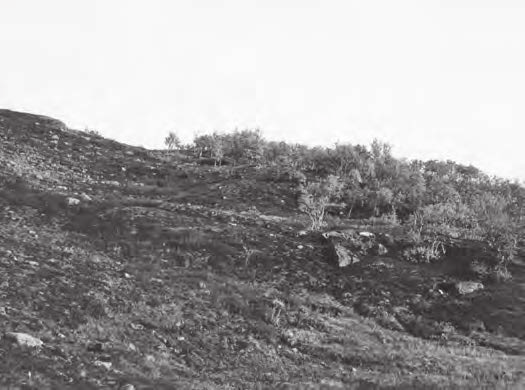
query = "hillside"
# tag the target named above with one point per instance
(129, 266)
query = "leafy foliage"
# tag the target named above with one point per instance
(436, 201)
(172, 141)
(316, 196)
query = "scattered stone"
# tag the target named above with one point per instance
(24, 339)
(272, 218)
(73, 201)
(381, 249)
(85, 197)
(333, 234)
(106, 365)
(111, 183)
(464, 288)
(341, 234)
(344, 256)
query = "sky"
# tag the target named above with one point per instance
(436, 79)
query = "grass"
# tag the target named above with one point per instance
(176, 281)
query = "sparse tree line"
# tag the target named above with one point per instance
(435, 201)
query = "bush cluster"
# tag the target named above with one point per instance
(434, 200)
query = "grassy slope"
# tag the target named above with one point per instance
(167, 275)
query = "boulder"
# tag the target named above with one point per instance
(381, 249)
(344, 256)
(340, 234)
(24, 339)
(464, 288)
(85, 197)
(73, 201)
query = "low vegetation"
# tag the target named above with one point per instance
(211, 266)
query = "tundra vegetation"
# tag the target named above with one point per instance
(210, 265)
(438, 203)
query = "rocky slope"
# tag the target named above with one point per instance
(121, 266)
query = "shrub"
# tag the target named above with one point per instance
(499, 229)
(172, 141)
(431, 227)
(315, 197)
(425, 253)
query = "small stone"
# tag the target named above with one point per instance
(73, 201)
(344, 256)
(85, 197)
(106, 365)
(381, 249)
(127, 386)
(24, 339)
(464, 288)
(300, 247)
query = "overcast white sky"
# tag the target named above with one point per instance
(437, 79)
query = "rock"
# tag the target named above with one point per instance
(127, 386)
(24, 339)
(55, 137)
(381, 249)
(342, 234)
(300, 246)
(333, 234)
(85, 197)
(106, 365)
(271, 218)
(344, 256)
(464, 288)
(111, 183)
(367, 234)
(73, 201)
